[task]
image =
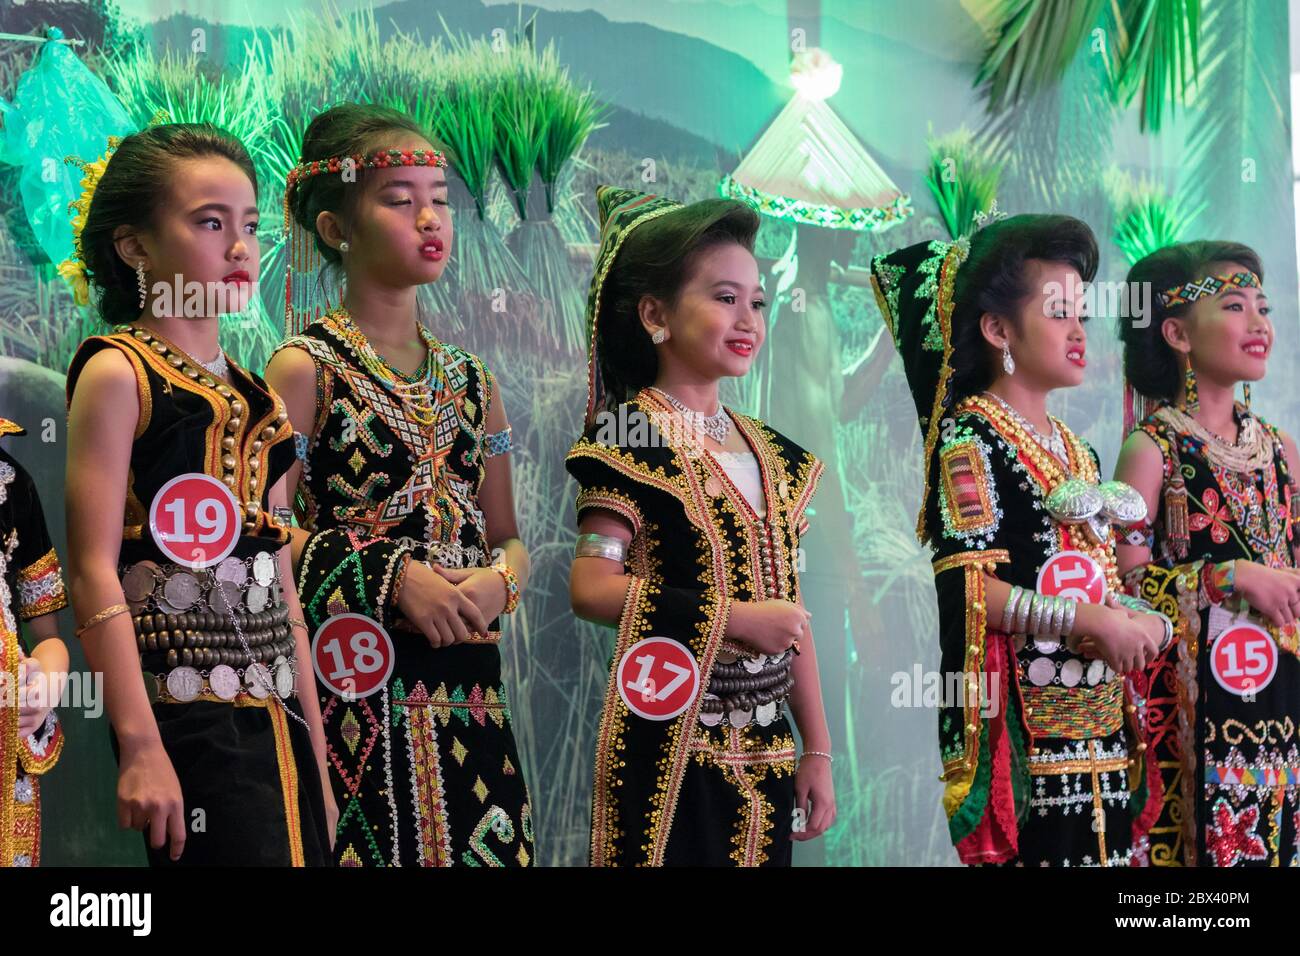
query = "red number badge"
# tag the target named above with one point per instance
(658, 678)
(1244, 659)
(194, 520)
(353, 655)
(1073, 574)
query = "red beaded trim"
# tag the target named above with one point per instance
(380, 160)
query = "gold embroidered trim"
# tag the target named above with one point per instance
(985, 559)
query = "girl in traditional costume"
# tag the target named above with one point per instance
(405, 506)
(1041, 738)
(177, 458)
(689, 518)
(31, 591)
(1218, 557)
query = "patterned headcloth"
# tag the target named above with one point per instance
(621, 211)
(914, 289)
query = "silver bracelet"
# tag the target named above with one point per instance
(1022, 612)
(1067, 626)
(1009, 611)
(1036, 615)
(600, 546)
(1058, 618)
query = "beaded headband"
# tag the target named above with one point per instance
(1191, 291)
(301, 304)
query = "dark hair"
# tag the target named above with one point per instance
(993, 280)
(1150, 365)
(344, 130)
(656, 260)
(133, 187)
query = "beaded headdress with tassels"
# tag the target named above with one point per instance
(305, 298)
(914, 290)
(621, 211)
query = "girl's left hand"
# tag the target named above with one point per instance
(813, 781)
(483, 586)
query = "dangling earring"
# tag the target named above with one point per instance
(141, 282)
(1245, 394)
(1190, 402)
(660, 336)
(1008, 363)
(344, 246)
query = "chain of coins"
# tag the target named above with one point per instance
(240, 584)
(743, 690)
(193, 370)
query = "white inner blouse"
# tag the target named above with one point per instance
(742, 468)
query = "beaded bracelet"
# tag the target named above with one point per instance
(113, 610)
(817, 753)
(512, 585)
(1218, 581)
(498, 443)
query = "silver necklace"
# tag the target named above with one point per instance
(717, 426)
(1053, 443)
(218, 366)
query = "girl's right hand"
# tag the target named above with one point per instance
(444, 613)
(767, 626)
(1273, 592)
(1126, 640)
(149, 798)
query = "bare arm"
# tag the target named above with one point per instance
(1142, 466)
(497, 498)
(291, 373)
(101, 424)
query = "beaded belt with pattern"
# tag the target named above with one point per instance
(744, 689)
(1074, 713)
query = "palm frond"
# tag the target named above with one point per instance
(1035, 44)
(1159, 55)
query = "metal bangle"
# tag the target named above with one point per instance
(1009, 611)
(1058, 615)
(817, 753)
(600, 546)
(1039, 605)
(1067, 626)
(113, 610)
(1022, 611)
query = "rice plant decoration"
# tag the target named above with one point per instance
(963, 178)
(571, 116)
(1146, 217)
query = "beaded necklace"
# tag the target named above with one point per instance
(418, 394)
(1050, 471)
(1054, 443)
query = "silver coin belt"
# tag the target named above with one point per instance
(224, 631)
(236, 584)
(747, 690)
